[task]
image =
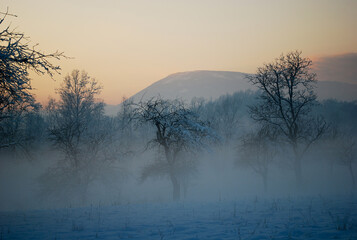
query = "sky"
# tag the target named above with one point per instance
(128, 45)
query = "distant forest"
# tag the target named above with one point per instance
(281, 127)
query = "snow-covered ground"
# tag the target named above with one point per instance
(257, 218)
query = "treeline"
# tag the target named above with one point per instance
(89, 146)
(281, 126)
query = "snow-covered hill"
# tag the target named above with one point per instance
(205, 84)
(213, 84)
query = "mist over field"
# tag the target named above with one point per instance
(226, 158)
(34, 174)
(269, 153)
(216, 177)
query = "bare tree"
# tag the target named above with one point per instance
(287, 95)
(125, 126)
(258, 151)
(178, 131)
(342, 148)
(21, 131)
(81, 132)
(226, 117)
(17, 58)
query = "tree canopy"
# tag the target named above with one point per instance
(17, 58)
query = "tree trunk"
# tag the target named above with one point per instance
(298, 171)
(82, 188)
(176, 188)
(170, 157)
(297, 167)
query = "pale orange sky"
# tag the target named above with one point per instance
(128, 45)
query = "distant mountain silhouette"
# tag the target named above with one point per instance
(205, 84)
(213, 84)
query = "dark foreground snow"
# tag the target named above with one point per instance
(257, 218)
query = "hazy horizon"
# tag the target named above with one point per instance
(128, 45)
(240, 119)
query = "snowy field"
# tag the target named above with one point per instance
(256, 218)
